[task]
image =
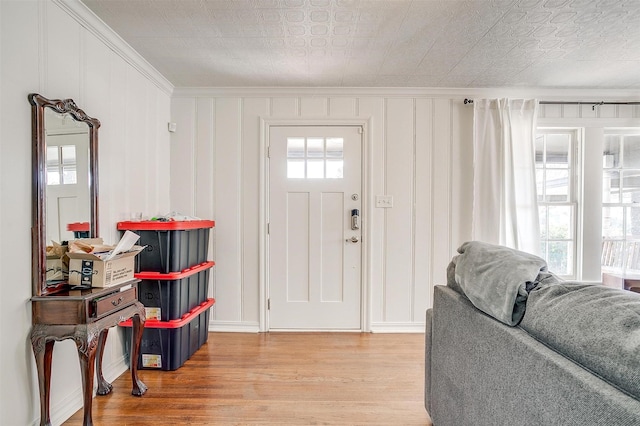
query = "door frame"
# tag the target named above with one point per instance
(367, 207)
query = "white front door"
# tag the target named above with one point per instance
(315, 251)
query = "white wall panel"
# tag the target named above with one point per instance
(461, 175)
(252, 110)
(183, 113)
(228, 289)
(314, 106)
(422, 208)
(136, 149)
(113, 137)
(204, 182)
(442, 246)
(342, 107)
(285, 107)
(399, 238)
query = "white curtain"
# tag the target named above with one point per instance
(505, 208)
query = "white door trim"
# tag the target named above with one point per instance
(367, 207)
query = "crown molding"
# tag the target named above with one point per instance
(414, 92)
(96, 26)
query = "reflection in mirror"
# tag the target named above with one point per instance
(67, 189)
(65, 184)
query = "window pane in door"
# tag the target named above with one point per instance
(52, 156)
(610, 186)
(334, 169)
(69, 175)
(335, 148)
(315, 169)
(612, 222)
(295, 148)
(68, 154)
(53, 176)
(315, 147)
(295, 169)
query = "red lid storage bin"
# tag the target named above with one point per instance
(172, 246)
(167, 345)
(169, 296)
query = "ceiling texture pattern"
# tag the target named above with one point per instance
(565, 44)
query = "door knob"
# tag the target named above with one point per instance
(353, 239)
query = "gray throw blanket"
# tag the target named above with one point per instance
(497, 279)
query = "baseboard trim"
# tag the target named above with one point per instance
(234, 327)
(254, 327)
(397, 327)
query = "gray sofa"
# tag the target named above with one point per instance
(570, 357)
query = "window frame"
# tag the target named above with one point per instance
(574, 195)
(625, 240)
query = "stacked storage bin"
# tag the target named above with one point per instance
(174, 273)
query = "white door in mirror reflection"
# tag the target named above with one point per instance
(67, 184)
(314, 251)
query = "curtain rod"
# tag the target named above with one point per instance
(593, 104)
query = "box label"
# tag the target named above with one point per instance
(153, 313)
(86, 272)
(151, 361)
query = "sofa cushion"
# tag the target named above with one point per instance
(596, 326)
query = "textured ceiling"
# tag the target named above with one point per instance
(384, 43)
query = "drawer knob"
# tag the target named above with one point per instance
(117, 302)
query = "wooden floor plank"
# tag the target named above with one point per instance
(279, 379)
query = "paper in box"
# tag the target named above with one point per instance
(89, 270)
(104, 269)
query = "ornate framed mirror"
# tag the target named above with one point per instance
(64, 181)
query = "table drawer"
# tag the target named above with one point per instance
(113, 302)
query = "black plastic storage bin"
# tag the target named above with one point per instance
(167, 345)
(172, 246)
(169, 296)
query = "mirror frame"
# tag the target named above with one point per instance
(39, 183)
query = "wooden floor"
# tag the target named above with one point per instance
(279, 379)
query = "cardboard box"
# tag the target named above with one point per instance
(54, 269)
(90, 270)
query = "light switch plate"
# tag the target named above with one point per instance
(384, 201)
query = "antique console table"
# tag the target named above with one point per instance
(85, 316)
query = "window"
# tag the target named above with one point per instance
(621, 200)
(315, 158)
(61, 165)
(557, 201)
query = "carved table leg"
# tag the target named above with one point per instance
(104, 387)
(43, 351)
(138, 321)
(86, 343)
